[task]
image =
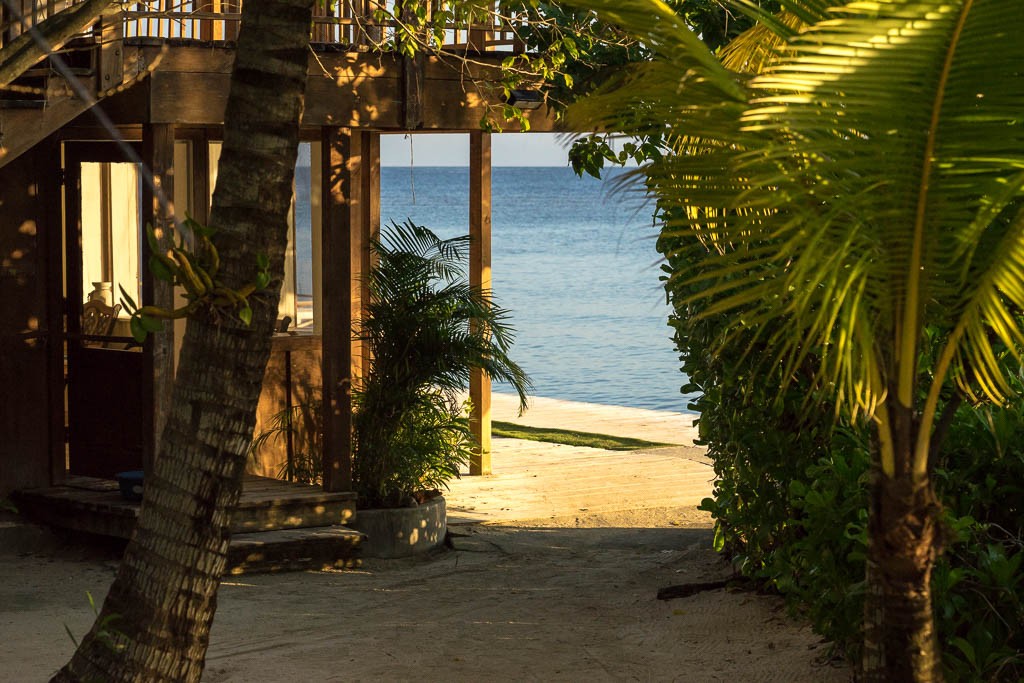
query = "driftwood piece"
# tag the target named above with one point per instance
(686, 590)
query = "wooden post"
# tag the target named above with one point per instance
(370, 34)
(111, 51)
(480, 276)
(412, 78)
(158, 364)
(370, 223)
(341, 255)
(479, 35)
(51, 242)
(201, 177)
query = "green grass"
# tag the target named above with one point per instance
(571, 438)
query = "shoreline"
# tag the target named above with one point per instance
(637, 423)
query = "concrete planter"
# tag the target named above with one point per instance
(402, 532)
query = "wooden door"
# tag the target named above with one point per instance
(105, 387)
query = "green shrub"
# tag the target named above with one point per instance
(790, 498)
(425, 328)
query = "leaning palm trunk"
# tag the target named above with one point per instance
(154, 624)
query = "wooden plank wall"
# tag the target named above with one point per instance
(293, 377)
(24, 343)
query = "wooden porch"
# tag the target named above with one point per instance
(278, 525)
(159, 73)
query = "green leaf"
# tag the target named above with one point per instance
(150, 324)
(160, 270)
(139, 332)
(263, 261)
(245, 314)
(262, 280)
(129, 303)
(966, 648)
(719, 542)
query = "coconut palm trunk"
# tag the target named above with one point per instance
(860, 203)
(154, 624)
(900, 641)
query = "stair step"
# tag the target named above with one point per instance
(22, 104)
(44, 71)
(317, 548)
(282, 508)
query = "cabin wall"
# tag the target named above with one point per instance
(24, 404)
(295, 362)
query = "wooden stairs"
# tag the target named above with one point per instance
(59, 88)
(278, 525)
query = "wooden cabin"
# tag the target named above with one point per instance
(144, 91)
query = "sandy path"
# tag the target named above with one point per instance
(553, 577)
(510, 603)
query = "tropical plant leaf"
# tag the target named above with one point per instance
(866, 183)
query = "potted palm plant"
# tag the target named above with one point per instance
(423, 330)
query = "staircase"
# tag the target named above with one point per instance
(47, 103)
(50, 95)
(277, 526)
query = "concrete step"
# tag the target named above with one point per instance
(317, 548)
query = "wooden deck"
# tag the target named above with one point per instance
(277, 525)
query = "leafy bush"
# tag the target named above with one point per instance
(979, 584)
(790, 502)
(424, 329)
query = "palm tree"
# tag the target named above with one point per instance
(425, 328)
(860, 206)
(155, 622)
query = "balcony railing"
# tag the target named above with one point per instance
(349, 23)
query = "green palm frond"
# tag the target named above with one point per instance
(867, 183)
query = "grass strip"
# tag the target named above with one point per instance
(571, 438)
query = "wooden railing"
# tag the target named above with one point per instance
(349, 23)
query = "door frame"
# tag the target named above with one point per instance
(75, 154)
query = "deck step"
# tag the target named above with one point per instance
(45, 71)
(22, 104)
(95, 505)
(269, 504)
(327, 547)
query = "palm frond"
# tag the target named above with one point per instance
(866, 183)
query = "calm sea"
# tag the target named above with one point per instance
(576, 265)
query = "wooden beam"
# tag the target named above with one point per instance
(357, 90)
(480, 276)
(158, 364)
(51, 241)
(341, 187)
(111, 53)
(201, 177)
(370, 218)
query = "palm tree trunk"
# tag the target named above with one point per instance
(154, 624)
(900, 641)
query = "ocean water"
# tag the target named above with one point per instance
(577, 266)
